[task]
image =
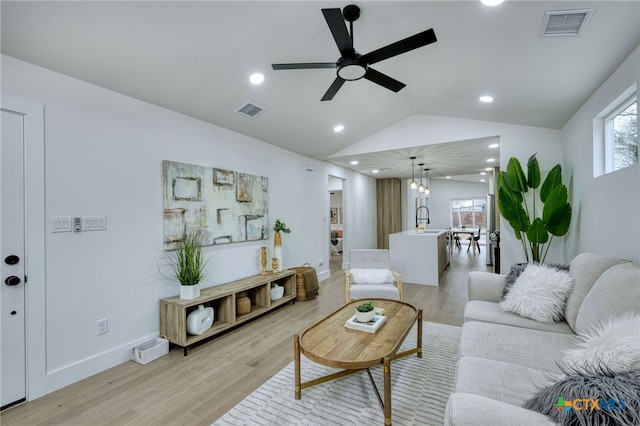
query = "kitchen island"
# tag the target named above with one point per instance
(419, 257)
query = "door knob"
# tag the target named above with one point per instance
(12, 280)
(11, 259)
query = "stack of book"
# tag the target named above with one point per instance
(370, 326)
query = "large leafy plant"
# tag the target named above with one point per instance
(519, 204)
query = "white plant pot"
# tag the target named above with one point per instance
(277, 292)
(365, 316)
(189, 292)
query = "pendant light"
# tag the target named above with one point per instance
(413, 184)
(427, 190)
(421, 188)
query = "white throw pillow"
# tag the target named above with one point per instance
(539, 293)
(614, 345)
(372, 276)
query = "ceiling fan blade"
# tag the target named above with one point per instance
(402, 46)
(333, 89)
(384, 80)
(303, 66)
(338, 28)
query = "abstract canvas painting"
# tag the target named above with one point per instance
(224, 205)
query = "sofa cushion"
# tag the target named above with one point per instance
(479, 310)
(616, 292)
(614, 346)
(529, 348)
(540, 293)
(364, 291)
(502, 381)
(464, 409)
(586, 268)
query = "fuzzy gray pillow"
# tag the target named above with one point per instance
(519, 268)
(590, 400)
(512, 276)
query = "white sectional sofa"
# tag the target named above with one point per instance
(504, 358)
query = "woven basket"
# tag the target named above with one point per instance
(301, 292)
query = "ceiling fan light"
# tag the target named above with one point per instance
(351, 69)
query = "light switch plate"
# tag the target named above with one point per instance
(60, 223)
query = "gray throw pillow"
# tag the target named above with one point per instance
(512, 276)
(590, 400)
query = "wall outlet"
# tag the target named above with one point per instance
(320, 262)
(103, 326)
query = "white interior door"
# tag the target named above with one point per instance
(12, 258)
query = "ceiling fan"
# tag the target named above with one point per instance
(353, 66)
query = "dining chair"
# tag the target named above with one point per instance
(473, 239)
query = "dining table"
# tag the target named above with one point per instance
(471, 232)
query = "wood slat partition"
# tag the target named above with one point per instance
(389, 209)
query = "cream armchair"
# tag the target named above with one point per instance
(371, 276)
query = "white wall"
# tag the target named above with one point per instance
(103, 155)
(606, 209)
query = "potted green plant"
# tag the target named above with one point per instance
(189, 265)
(277, 241)
(522, 207)
(365, 312)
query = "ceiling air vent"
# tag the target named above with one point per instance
(565, 22)
(250, 110)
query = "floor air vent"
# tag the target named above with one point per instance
(565, 22)
(250, 110)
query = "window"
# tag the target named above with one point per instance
(468, 212)
(621, 136)
(616, 134)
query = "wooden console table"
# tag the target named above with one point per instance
(174, 311)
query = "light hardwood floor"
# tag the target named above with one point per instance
(219, 373)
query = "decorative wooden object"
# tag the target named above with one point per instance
(223, 299)
(274, 265)
(263, 260)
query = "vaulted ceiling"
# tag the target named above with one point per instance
(195, 58)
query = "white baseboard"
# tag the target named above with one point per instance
(98, 363)
(324, 275)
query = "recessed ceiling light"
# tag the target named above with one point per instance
(485, 99)
(482, 180)
(489, 169)
(448, 177)
(256, 78)
(483, 173)
(354, 162)
(338, 128)
(491, 2)
(490, 160)
(494, 145)
(375, 171)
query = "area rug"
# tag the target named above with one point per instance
(420, 388)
